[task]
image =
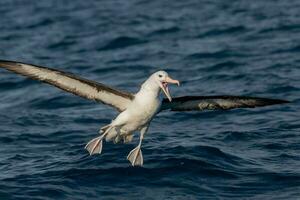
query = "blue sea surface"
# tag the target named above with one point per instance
(213, 47)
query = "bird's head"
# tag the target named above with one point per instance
(162, 79)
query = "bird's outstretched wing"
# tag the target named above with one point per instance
(72, 83)
(190, 103)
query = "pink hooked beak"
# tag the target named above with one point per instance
(164, 86)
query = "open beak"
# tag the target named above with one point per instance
(164, 86)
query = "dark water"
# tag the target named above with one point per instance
(214, 47)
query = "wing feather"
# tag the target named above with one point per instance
(71, 83)
(199, 103)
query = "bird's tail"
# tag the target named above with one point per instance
(115, 135)
(112, 133)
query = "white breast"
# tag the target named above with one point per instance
(144, 106)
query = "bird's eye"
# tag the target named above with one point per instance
(159, 75)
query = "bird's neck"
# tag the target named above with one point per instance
(149, 89)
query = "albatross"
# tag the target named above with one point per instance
(136, 111)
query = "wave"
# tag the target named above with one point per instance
(121, 42)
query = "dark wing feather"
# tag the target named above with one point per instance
(72, 83)
(190, 103)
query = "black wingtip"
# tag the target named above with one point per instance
(7, 61)
(276, 101)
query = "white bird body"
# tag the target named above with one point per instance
(144, 106)
(137, 116)
(136, 111)
(142, 109)
(140, 112)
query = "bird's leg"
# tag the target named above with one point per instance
(127, 138)
(117, 137)
(135, 156)
(95, 145)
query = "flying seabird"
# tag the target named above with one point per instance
(136, 110)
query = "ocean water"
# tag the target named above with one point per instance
(214, 47)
